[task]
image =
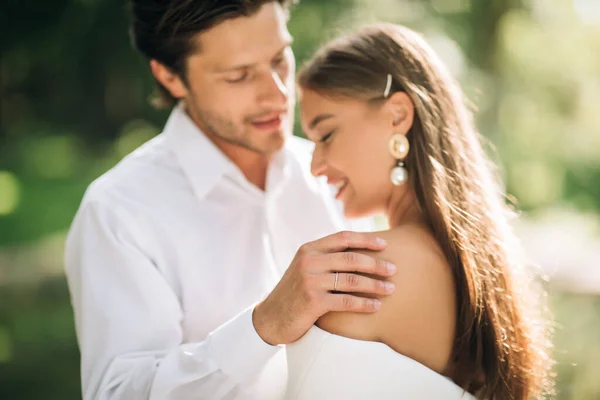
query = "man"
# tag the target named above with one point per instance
(176, 256)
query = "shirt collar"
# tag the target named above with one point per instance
(204, 163)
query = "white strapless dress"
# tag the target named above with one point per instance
(322, 365)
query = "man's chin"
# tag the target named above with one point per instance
(275, 142)
(267, 143)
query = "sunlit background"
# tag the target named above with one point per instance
(73, 99)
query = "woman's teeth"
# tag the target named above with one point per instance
(339, 187)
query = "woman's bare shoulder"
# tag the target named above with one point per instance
(418, 319)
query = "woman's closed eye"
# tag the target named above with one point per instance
(327, 137)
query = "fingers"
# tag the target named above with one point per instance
(355, 262)
(348, 240)
(352, 283)
(349, 303)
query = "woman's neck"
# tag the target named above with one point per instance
(403, 208)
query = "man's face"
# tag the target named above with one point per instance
(241, 81)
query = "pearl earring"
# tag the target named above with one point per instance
(399, 147)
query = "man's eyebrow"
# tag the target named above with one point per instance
(242, 67)
(318, 119)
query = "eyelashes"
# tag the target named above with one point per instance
(240, 79)
(326, 137)
(279, 62)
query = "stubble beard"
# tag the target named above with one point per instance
(229, 132)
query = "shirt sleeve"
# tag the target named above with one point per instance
(128, 321)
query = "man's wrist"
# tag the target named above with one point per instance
(263, 327)
(237, 348)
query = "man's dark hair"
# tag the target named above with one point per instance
(164, 30)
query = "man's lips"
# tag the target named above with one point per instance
(268, 123)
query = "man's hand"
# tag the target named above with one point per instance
(306, 290)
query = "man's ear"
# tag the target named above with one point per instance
(402, 110)
(169, 79)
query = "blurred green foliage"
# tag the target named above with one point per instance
(73, 101)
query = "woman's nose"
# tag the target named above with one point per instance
(317, 165)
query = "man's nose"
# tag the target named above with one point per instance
(274, 90)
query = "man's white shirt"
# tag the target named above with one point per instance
(167, 256)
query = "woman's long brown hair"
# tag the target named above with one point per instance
(502, 342)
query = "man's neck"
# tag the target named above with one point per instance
(252, 164)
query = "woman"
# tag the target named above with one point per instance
(394, 137)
